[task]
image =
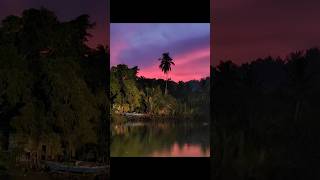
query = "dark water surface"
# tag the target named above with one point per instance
(160, 140)
(45, 176)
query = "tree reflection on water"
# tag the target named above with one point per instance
(160, 140)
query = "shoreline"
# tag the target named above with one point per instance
(18, 173)
(123, 118)
(22, 170)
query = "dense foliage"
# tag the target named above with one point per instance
(52, 86)
(130, 93)
(265, 118)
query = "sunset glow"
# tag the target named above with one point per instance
(142, 44)
(245, 31)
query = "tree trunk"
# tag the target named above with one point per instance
(165, 91)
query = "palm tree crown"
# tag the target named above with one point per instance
(166, 62)
(165, 65)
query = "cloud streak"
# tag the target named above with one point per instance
(142, 44)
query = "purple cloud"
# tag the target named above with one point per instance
(142, 44)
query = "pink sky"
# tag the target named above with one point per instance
(142, 44)
(188, 66)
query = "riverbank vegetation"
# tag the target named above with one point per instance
(53, 89)
(266, 118)
(157, 97)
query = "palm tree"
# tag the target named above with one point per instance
(165, 66)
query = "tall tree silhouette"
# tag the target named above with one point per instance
(165, 66)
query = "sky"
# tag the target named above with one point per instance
(65, 10)
(244, 30)
(142, 44)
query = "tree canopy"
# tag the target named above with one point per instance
(130, 93)
(264, 117)
(53, 87)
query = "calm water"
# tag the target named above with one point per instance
(160, 140)
(44, 176)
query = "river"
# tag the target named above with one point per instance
(160, 140)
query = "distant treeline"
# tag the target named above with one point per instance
(53, 88)
(130, 93)
(265, 122)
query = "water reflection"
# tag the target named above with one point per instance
(186, 150)
(160, 140)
